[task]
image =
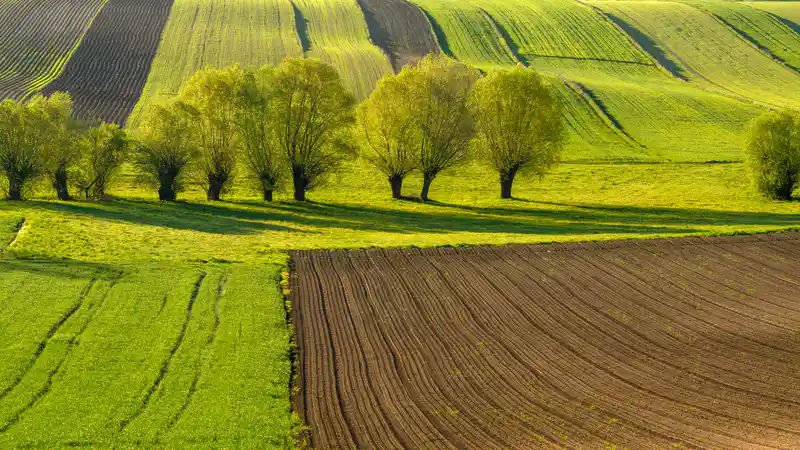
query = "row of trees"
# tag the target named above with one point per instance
(41, 138)
(295, 122)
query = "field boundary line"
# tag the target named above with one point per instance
(584, 93)
(56, 71)
(165, 366)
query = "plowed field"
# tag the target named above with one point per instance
(687, 343)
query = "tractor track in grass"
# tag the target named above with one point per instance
(73, 341)
(642, 344)
(165, 365)
(204, 352)
(17, 230)
(50, 333)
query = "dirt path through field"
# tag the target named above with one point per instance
(690, 342)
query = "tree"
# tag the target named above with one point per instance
(58, 137)
(386, 127)
(103, 150)
(773, 150)
(21, 155)
(520, 130)
(438, 90)
(312, 113)
(164, 148)
(209, 101)
(260, 148)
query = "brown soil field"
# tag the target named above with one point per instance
(108, 71)
(677, 343)
(400, 29)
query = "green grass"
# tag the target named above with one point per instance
(108, 356)
(217, 34)
(338, 35)
(576, 202)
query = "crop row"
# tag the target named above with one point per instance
(32, 50)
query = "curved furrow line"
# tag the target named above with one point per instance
(339, 432)
(622, 280)
(50, 333)
(675, 353)
(394, 370)
(514, 391)
(498, 328)
(733, 256)
(459, 391)
(380, 433)
(712, 286)
(425, 390)
(167, 363)
(673, 409)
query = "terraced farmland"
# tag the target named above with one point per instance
(649, 344)
(152, 355)
(107, 72)
(32, 50)
(337, 34)
(202, 34)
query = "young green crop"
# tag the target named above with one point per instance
(338, 36)
(217, 35)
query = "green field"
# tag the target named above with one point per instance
(142, 355)
(218, 34)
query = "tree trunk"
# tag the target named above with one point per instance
(166, 192)
(267, 195)
(214, 191)
(300, 185)
(506, 183)
(785, 192)
(60, 184)
(14, 189)
(397, 185)
(426, 186)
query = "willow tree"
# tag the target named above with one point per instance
(104, 148)
(387, 132)
(258, 131)
(438, 90)
(164, 149)
(520, 129)
(773, 151)
(58, 136)
(312, 113)
(208, 100)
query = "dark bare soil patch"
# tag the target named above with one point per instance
(400, 29)
(107, 73)
(688, 342)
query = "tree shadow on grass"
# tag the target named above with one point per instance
(63, 268)
(520, 217)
